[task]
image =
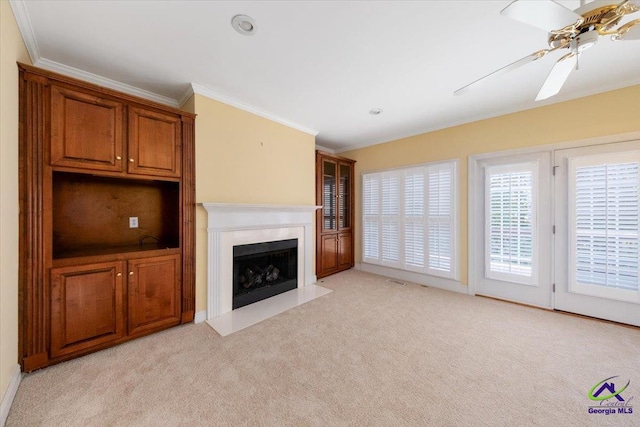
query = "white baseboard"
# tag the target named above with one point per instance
(7, 399)
(410, 276)
(200, 316)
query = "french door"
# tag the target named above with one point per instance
(513, 222)
(596, 231)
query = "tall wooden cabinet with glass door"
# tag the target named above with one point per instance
(334, 222)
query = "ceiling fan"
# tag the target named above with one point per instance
(575, 31)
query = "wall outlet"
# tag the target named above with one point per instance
(133, 222)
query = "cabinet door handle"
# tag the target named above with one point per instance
(118, 158)
(119, 274)
(130, 160)
(131, 273)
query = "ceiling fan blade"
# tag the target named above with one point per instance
(546, 14)
(519, 63)
(629, 31)
(558, 75)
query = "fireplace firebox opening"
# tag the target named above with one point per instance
(263, 270)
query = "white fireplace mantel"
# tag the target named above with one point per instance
(232, 224)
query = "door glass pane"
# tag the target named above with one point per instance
(604, 232)
(510, 212)
(345, 196)
(329, 192)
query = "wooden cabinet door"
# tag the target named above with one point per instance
(86, 306)
(328, 254)
(86, 131)
(345, 251)
(154, 143)
(154, 293)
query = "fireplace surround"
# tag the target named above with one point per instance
(230, 225)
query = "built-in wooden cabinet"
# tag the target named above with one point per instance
(334, 222)
(91, 159)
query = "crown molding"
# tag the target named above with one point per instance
(186, 95)
(216, 96)
(325, 149)
(105, 82)
(26, 30)
(19, 9)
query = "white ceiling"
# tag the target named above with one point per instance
(319, 65)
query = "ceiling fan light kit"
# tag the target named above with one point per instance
(576, 31)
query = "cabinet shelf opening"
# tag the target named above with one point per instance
(90, 215)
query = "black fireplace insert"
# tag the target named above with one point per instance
(262, 270)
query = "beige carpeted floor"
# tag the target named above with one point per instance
(371, 353)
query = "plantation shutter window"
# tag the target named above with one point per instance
(409, 219)
(390, 201)
(414, 219)
(371, 221)
(511, 229)
(440, 219)
(603, 226)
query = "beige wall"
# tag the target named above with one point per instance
(599, 115)
(244, 158)
(12, 49)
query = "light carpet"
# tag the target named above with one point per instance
(370, 353)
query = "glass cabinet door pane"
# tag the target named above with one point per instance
(329, 175)
(344, 212)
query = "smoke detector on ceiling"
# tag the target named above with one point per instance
(244, 24)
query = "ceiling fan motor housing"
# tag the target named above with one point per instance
(595, 22)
